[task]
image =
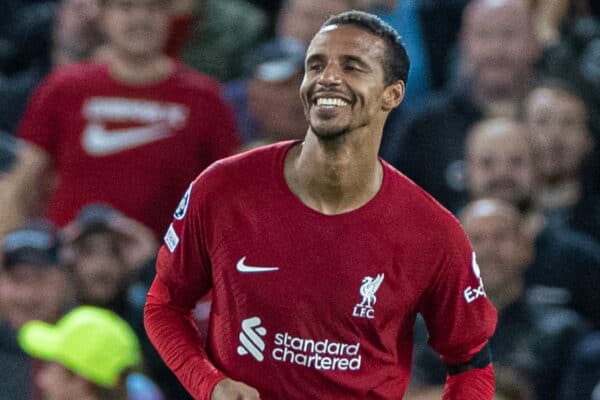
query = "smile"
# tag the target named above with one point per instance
(332, 102)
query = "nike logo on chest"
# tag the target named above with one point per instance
(245, 268)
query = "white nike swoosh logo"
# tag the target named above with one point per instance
(242, 267)
(99, 141)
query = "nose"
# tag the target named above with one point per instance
(331, 75)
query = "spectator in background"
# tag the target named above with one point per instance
(499, 163)
(559, 133)
(107, 255)
(105, 251)
(33, 285)
(71, 35)
(131, 133)
(566, 266)
(497, 70)
(90, 354)
(266, 104)
(301, 19)
(532, 341)
(223, 33)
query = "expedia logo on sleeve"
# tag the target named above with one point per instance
(470, 293)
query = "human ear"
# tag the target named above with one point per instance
(393, 95)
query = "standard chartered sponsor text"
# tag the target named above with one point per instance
(318, 354)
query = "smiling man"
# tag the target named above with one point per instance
(319, 255)
(130, 132)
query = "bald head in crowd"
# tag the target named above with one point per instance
(503, 250)
(499, 161)
(498, 57)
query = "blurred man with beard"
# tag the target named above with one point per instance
(559, 132)
(496, 70)
(134, 129)
(499, 164)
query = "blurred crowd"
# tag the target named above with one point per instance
(110, 108)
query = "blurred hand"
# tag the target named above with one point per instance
(139, 244)
(228, 389)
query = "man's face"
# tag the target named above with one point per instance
(499, 163)
(29, 292)
(494, 234)
(58, 383)
(98, 267)
(498, 45)
(344, 81)
(558, 132)
(137, 28)
(303, 18)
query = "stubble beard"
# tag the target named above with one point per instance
(329, 135)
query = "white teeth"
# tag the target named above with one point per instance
(335, 102)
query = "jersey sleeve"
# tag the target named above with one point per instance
(459, 317)
(182, 277)
(39, 123)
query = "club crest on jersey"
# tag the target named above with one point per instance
(183, 205)
(367, 290)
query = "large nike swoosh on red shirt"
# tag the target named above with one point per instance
(99, 141)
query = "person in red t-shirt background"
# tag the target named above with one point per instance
(130, 132)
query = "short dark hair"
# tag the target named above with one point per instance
(395, 63)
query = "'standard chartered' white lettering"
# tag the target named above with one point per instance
(317, 354)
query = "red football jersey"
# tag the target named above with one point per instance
(306, 305)
(134, 147)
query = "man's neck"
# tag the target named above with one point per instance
(137, 70)
(337, 176)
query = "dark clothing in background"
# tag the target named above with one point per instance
(569, 263)
(583, 376)
(430, 148)
(15, 367)
(534, 341)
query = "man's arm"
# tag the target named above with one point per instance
(28, 185)
(172, 332)
(183, 277)
(471, 380)
(460, 318)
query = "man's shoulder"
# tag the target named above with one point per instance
(408, 195)
(72, 74)
(69, 79)
(246, 166)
